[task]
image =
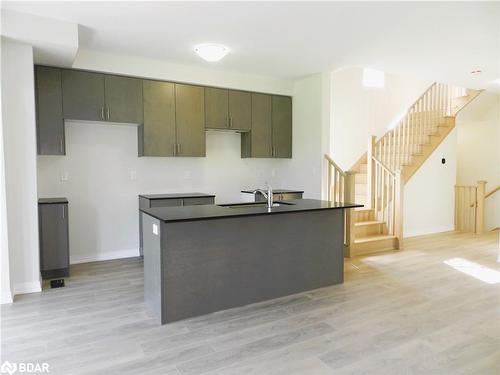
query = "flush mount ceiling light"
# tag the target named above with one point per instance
(476, 72)
(211, 51)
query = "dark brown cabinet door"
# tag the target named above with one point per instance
(54, 239)
(158, 131)
(49, 112)
(261, 134)
(216, 108)
(240, 110)
(190, 119)
(123, 99)
(282, 126)
(83, 95)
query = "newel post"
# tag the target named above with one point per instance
(398, 208)
(349, 197)
(481, 192)
(370, 171)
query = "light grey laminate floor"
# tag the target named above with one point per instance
(403, 312)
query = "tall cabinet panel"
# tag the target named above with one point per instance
(50, 122)
(216, 108)
(157, 134)
(282, 126)
(123, 98)
(83, 95)
(240, 110)
(54, 239)
(190, 120)
(258, 142)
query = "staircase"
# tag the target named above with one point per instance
(377, 179)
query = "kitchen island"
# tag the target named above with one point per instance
(202, 259)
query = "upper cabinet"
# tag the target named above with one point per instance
(123, 99)
(83, 95)
(174, 120)
(240, 110)
(49, 117)
(172, 117)
(216, 108)
(227, 109)
(271, 135)
(282, 127)
(190, 120)
(157, 134)
(101, 97)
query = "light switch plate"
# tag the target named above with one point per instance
(155, 229)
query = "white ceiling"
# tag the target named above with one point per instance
(442, 41)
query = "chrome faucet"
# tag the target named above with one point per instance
(267, 194)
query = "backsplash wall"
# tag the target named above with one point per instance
(102, 176)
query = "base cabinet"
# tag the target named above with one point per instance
(170, 200)
(54, 238)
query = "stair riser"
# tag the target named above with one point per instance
(374, 247)
(369, 230)
(360, 178)
(365, 215)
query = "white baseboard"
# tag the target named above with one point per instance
(30, 287)
(107, 255)
(6, 297)
(425, 231)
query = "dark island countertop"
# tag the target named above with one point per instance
(206, 212)
(52, 200)
(176, 196)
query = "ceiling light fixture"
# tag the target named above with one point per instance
(476, 72)
(211, 52)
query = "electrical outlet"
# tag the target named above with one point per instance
(133, 175)
(64, 177)
(155, 229)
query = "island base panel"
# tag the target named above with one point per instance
(212, 265)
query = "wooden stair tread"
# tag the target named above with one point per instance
(368, 222)
(378, 237)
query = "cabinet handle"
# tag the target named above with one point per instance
(63, 211)
(102, 113)
(178, 148)
(107, 112)
(61, 145)
(227, 122)
(174, 148)
(230, 122)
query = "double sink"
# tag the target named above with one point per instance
(254, 204)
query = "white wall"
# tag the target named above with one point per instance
(148, 68)
(478, 153)
(101, 158)
(429, 195)
(5, 280)
(103, 197)
(358, 112)
(19, 142)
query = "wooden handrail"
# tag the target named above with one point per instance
(330, 160)
(383, 166)
(492, 192)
